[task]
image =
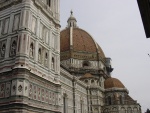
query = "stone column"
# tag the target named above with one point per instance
(74, 96)
(50, 59)
(36, 50)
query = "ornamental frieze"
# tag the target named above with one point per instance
(81, 56)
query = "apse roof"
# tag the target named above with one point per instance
(113, 83)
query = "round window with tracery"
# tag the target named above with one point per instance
(20, 88)
(86, 64)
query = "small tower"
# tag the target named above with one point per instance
(72, 22)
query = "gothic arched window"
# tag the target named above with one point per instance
(92, 81)
(49, 3)
(39, 55)
(86, 63)
(3, 48)
(46, 36)
(86, 81)
(53, 63)
(129, 110)
(31, 50)
(46, 59)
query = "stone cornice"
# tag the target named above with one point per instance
(8, 3)
(117, 89)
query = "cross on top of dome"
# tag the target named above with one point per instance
(71, 13)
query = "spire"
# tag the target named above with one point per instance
(72, 22)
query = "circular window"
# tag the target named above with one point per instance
(86, 64)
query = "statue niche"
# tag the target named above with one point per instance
(31, 50)
(3, 48)
(13, 48)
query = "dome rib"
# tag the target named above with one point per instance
(82, 41)
(84, 46)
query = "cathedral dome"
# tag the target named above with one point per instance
(79, 44)
(113, 83)
(82, 41)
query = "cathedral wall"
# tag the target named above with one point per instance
(122, 109)
(118, 100)
(81, 98)
(76, 63)
(66, 93)
(75, 92)
(29, 91)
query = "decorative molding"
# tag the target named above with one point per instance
(48, 12)
(7, 3)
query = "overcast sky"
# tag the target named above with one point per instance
(117, 27)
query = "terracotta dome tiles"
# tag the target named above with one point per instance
(82, 42)
(87, 75)
(101, 53)
(113, 83)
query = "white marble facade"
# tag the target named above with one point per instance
(32, 80)
(27, 32)
(29, 40)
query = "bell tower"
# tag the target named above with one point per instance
(29, 56)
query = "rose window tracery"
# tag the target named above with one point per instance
(19, 88)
